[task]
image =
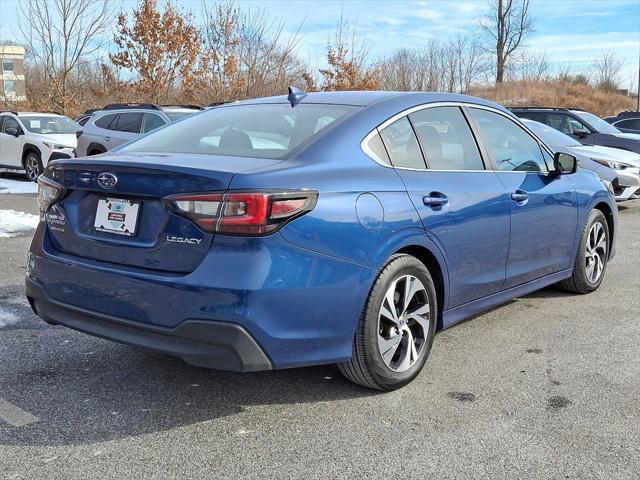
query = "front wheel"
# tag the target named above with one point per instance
(592, 256)
(33, 166)
(395, 332)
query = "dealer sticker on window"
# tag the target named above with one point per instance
(116, 215)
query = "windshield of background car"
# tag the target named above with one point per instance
(551, 136)
(262, 130)
(50, 125)
(596, 122)
(177, 115)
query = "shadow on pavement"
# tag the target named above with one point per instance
(85, 390)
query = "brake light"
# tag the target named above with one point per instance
(243, 213)
(49, 192)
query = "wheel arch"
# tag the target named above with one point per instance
(30, 147)
(95, 147)
(438, 273)
(608, 214)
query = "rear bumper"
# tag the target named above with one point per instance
(276, 292)
(219, 345)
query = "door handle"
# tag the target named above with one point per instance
(107, 139)
(435, 199)
(520, 196)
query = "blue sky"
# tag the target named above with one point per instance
(569, 31)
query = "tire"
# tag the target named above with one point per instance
(595, 233)
(377, 330)
(32, 164)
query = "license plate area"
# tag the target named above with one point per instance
(117, 215)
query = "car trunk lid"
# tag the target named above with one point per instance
(114, 211)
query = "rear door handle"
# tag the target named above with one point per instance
(435, 199)
(107, 139)
(520, 196)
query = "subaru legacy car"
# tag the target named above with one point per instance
(614, 165)
(307, 229)
(585, 127)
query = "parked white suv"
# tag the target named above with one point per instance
(29, 140)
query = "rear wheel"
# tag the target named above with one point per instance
(395, 333)
(33, 165)
(591, 258)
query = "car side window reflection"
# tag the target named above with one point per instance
(402, 145)
(512, 148)
(446, 139)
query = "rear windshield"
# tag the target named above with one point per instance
(597, 123)
(264, 130)
(179, 114)
(49, 125)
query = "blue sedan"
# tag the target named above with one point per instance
(307, 229)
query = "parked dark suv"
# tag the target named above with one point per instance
(628, 122)
(585, 127)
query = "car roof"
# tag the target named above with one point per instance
(367, 98)
(39, 114)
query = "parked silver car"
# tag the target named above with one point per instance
(120, 123)
(620, 167)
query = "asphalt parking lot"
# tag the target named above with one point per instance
(546, 386)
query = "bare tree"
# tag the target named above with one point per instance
(452, 66)
(249, 54)
(62, 36)
(348, 61)
(532, 66)
(606, 71)
(508, 23)
(162, 47)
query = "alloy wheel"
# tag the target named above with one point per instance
(403, 323)
(596, 252)
(32, 168)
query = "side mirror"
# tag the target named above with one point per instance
(581, 133)
(564, 163)
(12, 131)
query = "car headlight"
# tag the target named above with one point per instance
(611, 164)
(609, 186)
(54, 146)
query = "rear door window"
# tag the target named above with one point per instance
(151, 121)
(402, 145)
(446, 139)
(105, 122)
(128, 122)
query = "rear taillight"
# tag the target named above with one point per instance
(78, 133)
(49, 192)
(243, 213)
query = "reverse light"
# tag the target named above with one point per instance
(49, 192)
(243, 213)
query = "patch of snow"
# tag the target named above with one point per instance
(7, 318)
(16, 186)
(13, 223)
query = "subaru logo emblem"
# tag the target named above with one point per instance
(107, 180)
